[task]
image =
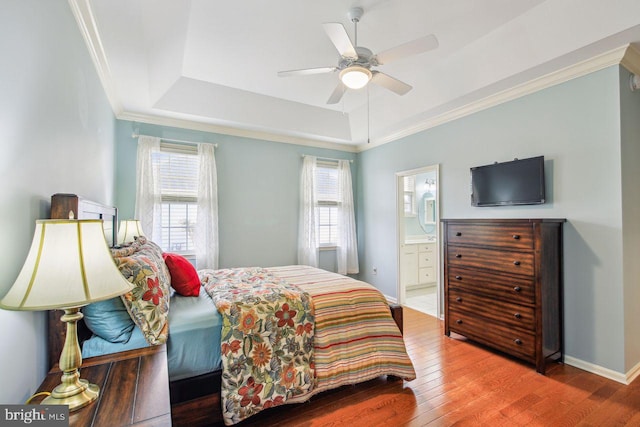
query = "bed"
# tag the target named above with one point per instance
(324, 331)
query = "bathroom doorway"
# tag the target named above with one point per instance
(418, 219)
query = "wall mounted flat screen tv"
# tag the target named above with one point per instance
(518, 182)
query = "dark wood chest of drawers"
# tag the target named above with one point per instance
(503, 285)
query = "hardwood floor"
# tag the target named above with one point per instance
(459, 383)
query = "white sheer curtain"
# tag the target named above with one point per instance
(347, 250)
(308, 222)
(148, 208)
(206, 230)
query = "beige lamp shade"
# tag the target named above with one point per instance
(69, 265)
(128, 231)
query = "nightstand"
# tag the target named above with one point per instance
(134, 389)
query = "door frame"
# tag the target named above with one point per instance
(401, 291)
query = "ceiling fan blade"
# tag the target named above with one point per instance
(336, 96)
(388, 82)
(306, 71)
(414, 47)
(340, 39)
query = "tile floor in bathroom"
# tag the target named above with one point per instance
(422, 299)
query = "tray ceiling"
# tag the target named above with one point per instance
(213, 65)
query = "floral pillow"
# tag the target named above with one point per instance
(141, 264)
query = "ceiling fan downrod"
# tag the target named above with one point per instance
(355, 13)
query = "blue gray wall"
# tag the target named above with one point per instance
(630, 136)
(258, 192)
(577, 127)
(56, 135)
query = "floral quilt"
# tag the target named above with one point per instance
(267, 340)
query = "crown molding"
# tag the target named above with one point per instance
(622, 55)
(631, 60)
(83, 14)
(228, 130)
(626, 56)
(87, 24)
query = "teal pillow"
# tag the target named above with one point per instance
(109, 320)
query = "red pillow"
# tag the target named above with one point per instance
(184, 278)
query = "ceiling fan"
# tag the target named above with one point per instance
(356, 64)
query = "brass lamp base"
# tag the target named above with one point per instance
(72, 391)
(76, 397)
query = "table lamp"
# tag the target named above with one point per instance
(68, 266)
(129, 230)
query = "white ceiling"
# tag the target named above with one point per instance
(210, 64)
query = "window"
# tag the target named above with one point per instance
(410, 195)
(327, 214)
(327, 196)
(177, 167)
(177, 197)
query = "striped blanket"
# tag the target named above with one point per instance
(356, 338)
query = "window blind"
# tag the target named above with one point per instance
(178, 170)
(327, 194)
(178, 167)
(327, 182)
(409, 195)
(410, 183)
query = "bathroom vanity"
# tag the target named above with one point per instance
(418, 263)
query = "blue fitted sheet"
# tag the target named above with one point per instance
(193, 347)
(195, 326)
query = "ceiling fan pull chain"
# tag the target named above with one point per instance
(368, 117)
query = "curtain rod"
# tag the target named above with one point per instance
(181, 141)
(328, 158)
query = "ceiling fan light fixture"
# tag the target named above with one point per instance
(355, 77)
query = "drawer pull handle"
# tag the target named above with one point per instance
(516, 262)
(459, 321)
(459, 299)
(516, 237)
(458, 234)
(518, 316)
(518, 341)
(458, 277)
(458, 255)
(517, 288)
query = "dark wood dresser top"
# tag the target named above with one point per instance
(134, 389)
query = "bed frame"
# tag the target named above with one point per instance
(181, 390)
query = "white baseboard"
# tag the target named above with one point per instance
(626, 379)
(602, 371)
(633, 373)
